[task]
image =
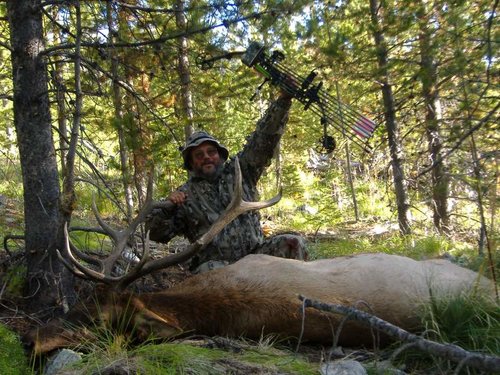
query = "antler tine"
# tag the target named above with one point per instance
(146, 265)
(86, 258)
(74, 265)
(121, 237)
(234, 209)
(82, 271)
(107, 228)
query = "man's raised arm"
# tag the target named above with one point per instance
(260, 147)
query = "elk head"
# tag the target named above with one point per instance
(109, 302)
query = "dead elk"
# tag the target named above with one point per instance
(259, 295)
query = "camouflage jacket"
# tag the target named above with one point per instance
(206, 200)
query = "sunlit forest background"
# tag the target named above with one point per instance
(128, 79)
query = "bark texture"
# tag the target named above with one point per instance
(394, 139)
(37, 153)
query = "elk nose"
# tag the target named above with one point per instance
(27, 342)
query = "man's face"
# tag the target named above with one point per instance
(205, 159)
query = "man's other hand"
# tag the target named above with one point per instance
(178, 197)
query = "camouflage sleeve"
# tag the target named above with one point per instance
(260, 147)
(162, 226)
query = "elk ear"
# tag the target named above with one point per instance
(148, 324)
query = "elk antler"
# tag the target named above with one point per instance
(145, 266)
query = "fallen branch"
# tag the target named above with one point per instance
(454, 353)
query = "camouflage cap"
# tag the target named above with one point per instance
(196, 139)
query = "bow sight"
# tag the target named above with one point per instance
(343, 118)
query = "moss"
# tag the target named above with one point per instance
(16, 277)
(177, 359)
(283, 362)
(12, 358)
(184, 358)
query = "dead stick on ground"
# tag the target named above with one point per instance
(451, 352)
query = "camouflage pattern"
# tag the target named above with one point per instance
(209, 266)
(207, 199)
(285, 246)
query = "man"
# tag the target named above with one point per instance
(201, 200)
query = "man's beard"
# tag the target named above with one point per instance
(210, 176)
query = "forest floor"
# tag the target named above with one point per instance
(17, 314)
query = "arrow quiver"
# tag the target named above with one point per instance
(344, 119)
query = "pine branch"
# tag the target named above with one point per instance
(160, 40)
(476, 127)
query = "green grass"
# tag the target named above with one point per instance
(14, 280)
(105, 346)
(416, 247)
(471, 322)
(177, 359)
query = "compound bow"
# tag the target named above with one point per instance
(343, 118)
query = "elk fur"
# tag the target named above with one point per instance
(259, 295)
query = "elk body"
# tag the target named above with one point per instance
(258, 295)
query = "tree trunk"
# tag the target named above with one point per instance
(433, 117)
(135, 124)
(118, 107)
(477, 174)
(141, 159)
(58, 81)
(395, 145)
(184, 72)
(350, 180)
(37, 154)
(68, 185)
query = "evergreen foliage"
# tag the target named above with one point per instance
(133, 122)
(334, 39)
